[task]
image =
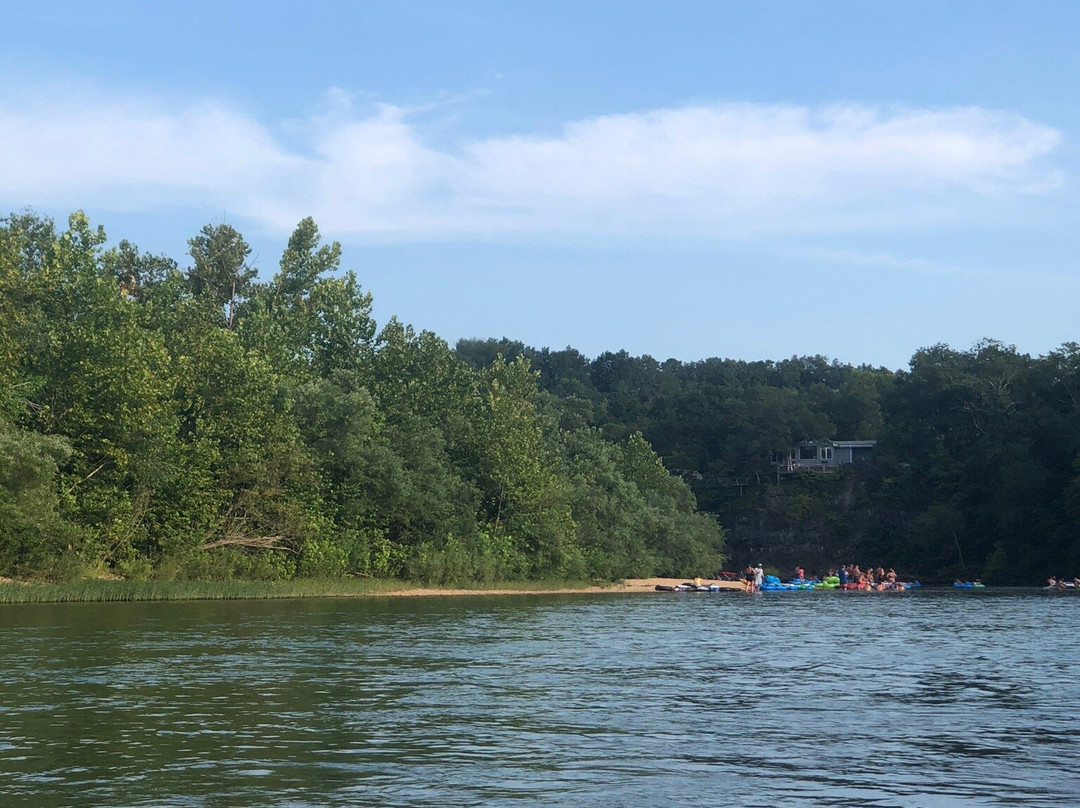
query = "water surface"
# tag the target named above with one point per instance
(823, 699)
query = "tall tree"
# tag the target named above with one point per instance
(220, 269)
(308, 317)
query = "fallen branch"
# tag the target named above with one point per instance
(252, 542)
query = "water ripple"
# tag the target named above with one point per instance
(935, 700)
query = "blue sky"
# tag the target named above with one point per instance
(685, 179)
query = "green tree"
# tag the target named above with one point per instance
(220, 270)
(307, 316)
(524, 496)
(32, 532)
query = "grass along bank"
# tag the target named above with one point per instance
(100, 591)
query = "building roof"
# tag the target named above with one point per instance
(841, 444)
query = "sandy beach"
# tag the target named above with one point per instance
(630, 585)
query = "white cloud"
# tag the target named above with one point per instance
(708, 170)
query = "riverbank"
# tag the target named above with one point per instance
(631, 585)
(100, 591)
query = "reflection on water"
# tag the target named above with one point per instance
(823, 699)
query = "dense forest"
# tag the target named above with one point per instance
(200, 423)
(976, 472)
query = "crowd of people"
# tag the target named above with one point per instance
(877, 578)
(848, 576)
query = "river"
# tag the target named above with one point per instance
(931, 698)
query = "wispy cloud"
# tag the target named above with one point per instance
(718, 170)
(889, 262)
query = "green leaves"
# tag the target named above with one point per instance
(306, 318)
(525, 497)
(221, 271)
(199, 423)
(32, 532)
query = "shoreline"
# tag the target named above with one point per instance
(627, 586)
(105, 590)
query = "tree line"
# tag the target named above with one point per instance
(196, 422)
(977, 466)
(159, 421)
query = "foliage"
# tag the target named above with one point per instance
(31, 529)
(159, 422)
(168, 423)
(978, 467)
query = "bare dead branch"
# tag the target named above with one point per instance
(88, 476)
(251, 542)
